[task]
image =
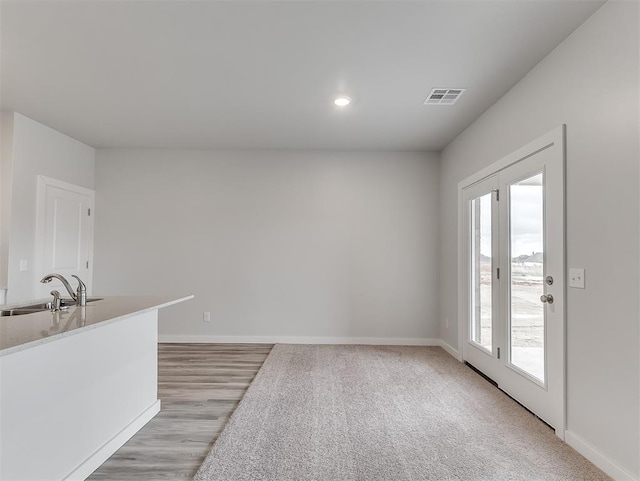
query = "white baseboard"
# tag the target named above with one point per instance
(447, 347)
(375, 341)
(597, 458)
(93, 462)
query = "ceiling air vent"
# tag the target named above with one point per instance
(443, 96)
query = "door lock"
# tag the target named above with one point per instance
(548, 298)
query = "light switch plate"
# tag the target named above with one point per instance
(576, 278)
(24, 265)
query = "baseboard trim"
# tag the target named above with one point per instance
(447, 347)
(93, 462)
(597, 458)
(374, 341)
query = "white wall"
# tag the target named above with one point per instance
(591, 83)
(305, 244)
(37, 150)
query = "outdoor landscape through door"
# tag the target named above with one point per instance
(525, 310)
(512, 281)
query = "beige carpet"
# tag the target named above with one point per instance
(367, 413)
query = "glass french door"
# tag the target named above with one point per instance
(484, 332)
(526, 312)
(514, 279)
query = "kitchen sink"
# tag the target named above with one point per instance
(17, 312)
(43, 306)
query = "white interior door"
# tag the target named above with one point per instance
(64, 242)
(513, 276)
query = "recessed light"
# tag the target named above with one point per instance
(342, 101)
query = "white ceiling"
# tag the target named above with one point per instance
(262, 75)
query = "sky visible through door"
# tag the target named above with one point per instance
(526, 242)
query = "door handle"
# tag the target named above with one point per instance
(548, 298)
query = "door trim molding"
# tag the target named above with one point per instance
(550, 139)
(556, 136)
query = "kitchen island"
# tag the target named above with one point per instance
(76, 384)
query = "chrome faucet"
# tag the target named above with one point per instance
(57, 301)
(81, 292)
(80, 296)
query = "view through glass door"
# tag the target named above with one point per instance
(483, 330)
(526, 276)
(513, 280)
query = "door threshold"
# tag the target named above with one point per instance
(478, 371)
(495, 384)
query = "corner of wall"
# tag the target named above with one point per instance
(6, 174)
(34, 149)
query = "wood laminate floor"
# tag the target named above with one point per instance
(199, 385)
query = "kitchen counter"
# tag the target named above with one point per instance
(29, 330)
(76, 384)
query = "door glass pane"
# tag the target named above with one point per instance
(481, 287)
(527, 316)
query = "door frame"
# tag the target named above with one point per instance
(41, 206)
(555, 138)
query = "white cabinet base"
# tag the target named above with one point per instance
(67, 405)
(101, 455)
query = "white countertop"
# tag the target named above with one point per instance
(22, 332)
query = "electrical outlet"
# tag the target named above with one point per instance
(576, 278)
(446, 323)
(206, 317)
